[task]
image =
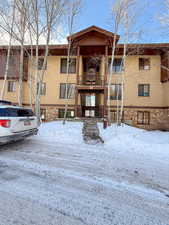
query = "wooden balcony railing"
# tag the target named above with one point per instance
(91, 80)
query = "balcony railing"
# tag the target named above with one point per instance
(91, 80)
(89, 111)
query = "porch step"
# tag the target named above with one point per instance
(91, 134)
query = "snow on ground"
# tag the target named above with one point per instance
(57, 179)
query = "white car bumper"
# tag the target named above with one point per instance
(18, 136)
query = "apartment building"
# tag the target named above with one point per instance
(146, 80)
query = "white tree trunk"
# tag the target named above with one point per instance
(8, 54)
(110, 79)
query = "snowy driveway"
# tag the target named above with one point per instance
(56, 179)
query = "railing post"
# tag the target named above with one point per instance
(105, 81)
(78, 63)
(76, 102)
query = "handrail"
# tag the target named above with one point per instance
(91, 80)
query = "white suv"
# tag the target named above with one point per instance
(16, 122)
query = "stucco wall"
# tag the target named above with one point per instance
(53, 78)
(166, 94)
(10, 96)
(133, 76)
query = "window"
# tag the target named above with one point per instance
(143, 117)
(42, 88)
(43, 114)
(115, 92)
(117, 65)
(70, 91)
(90, 100)
(114, 115)
(11, 86)
(16, 112)
(70, 113)
(144, 63)
(144, 90)
(72, 66)
(40, 64)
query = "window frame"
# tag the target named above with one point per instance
(115, 70)
(114, 115)
(143, 93)
(40, 64)
(143, 66)
(72, 96)
(12, 88)
(43, 114)
(115, 97)
(62, 111)
(42, 88)
(64, 71)
(143, 117)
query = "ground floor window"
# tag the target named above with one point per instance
(114, 115)
(43, 114)
(143, 117)
(70, 113)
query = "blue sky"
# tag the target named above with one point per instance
(97, 12)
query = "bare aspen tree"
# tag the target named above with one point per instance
(72, 11)
(53, 11)
(117, 16)
(164, 20)
(36, 28)
(16, 31)
(123, 20)
(40, 18)
(8, 52)
(23, 6)
(24, 34)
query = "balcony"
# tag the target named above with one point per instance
(89, 82)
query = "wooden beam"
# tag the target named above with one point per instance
(105, 81)
(78, 63)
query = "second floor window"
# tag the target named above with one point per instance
(117, 65)
(11, 86)
(144, 90)
(144, 64)
(40, 64)
(42, 88)
(115, 92)
(72, 66)
(69, 93)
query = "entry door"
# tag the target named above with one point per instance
(89, 113)
(90, 100)
(90, 103)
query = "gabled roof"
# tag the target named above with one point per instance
(93, 28)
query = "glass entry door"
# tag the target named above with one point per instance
(90, 103)
(90, 100)
(89, 113)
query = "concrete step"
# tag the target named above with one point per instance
(91, 132)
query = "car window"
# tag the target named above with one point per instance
(14, 112)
